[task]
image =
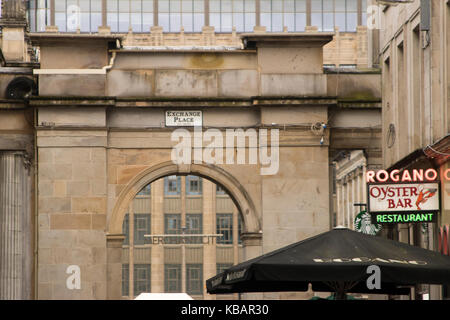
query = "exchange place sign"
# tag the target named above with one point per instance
(183, 118)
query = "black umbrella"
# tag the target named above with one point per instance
(336, 260)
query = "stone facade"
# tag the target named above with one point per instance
(98, 129)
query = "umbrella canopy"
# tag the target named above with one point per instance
(336, 260)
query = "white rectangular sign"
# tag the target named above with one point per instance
(420, 197)
(184, 118)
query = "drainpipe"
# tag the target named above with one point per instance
(36, 216)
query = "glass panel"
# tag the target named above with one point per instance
(60, 21)
(265, 5)
(277, 6)
(96, 21)
(163, 6)
(175, 22)
(316, 5)
(172, 185)
(328, 6)
(214, 6)
(96, 5)
(136, 22)
(224, 226)
(214, 21)
(316, 20)
(147, 5)
(112, 21)
(227, 22)
(147, 21)
(277, 22)
(85, 22)
(238, 21)
(199, 21)
(141, 227)
(328, 22)
(136, 6)
(250, 6)
(194, 279)
(172, 278)
(300, 21)
(352, 22)
(124, 22)
(142, 275)
(125, 279)
(340, 21)
(300, 5)
(266, 21)
(250, 21)
(111, 5)
(352, 5)
(289, 21)
(340, 5)
(194, 225)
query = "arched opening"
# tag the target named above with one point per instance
(179, 231)
(165, 227)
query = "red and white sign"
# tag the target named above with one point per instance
(420, 197)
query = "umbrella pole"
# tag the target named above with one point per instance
(341, 295)
(341, 289)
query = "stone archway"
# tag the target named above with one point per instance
(237, 192)
(251, 236)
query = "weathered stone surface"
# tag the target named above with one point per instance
(186, 83)
(293, 85)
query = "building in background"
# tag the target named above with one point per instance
(415, 60)
(177, 205)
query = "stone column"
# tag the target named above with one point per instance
(15, 239)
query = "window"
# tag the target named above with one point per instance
(172, 278)
(194, 279)
(141, 282)
(277, 14)
(224, 224)
(141, 228)
(145, 191)
(172, 225)
(174, 14)
(172, 185)
(39, 15)
(226, 14)
(123, 14)
(346, 14)
(71, 15)
(193, 185)
(220, 190)
(221, 267)
(194, 225)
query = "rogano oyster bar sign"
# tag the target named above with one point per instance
(403, 200)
